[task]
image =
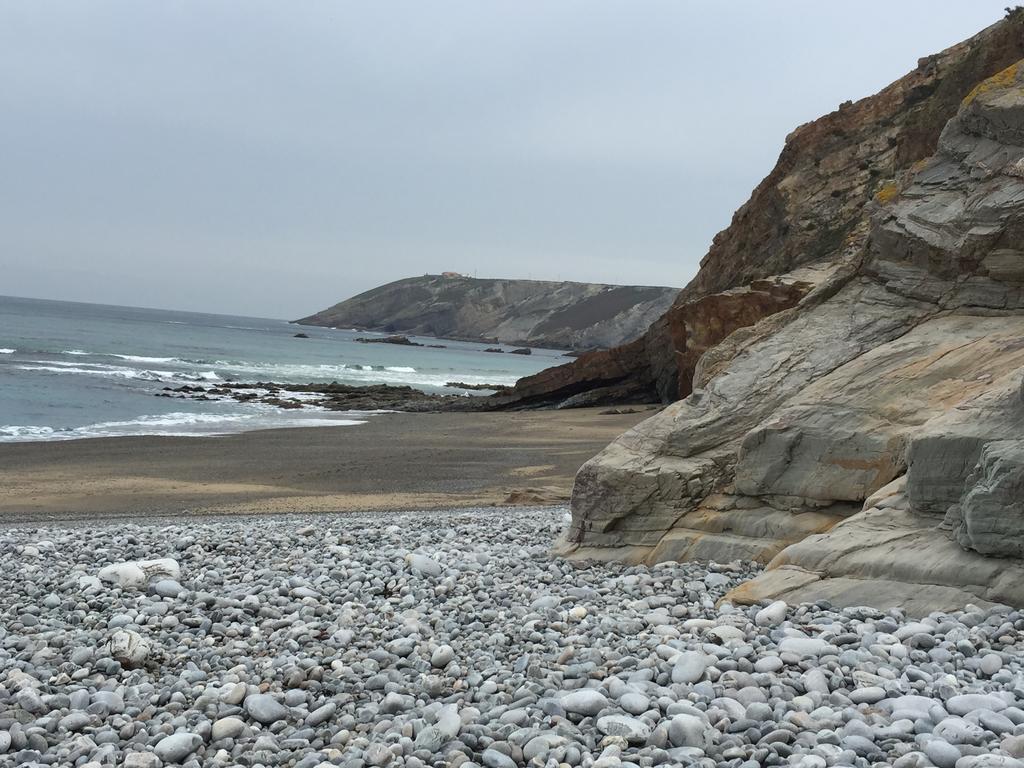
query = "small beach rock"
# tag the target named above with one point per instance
(341, 647)
(423, 565)
(584, 702)
(178, 746)
(264, 708)
(771, 615)
(128, 648)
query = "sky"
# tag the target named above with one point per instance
(271, 159)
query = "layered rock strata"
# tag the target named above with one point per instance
(810, 210)
(899, 370)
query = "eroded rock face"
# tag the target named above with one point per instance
(810, 211)
(832, 168)
(659, 365)
(866, 442)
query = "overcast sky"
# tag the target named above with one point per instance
(271, 159)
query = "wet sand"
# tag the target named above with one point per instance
(393, 461)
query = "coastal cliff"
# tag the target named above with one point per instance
(862, 434)
(537, 313)
(801, 223)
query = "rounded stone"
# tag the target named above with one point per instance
(264, 708)
(177, 747)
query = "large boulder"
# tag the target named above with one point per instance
(990, 517)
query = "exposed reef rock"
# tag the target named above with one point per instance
(333, 396)
(864, 440)
(403, 341)
(531, 313)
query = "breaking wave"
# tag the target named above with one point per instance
(179, 424)
(119, 372)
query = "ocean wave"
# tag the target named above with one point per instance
(118, 372)
(7, 351)
(142, 359)
(350, 373)
(202, 369)
(30, 432)
(128, 358)
(392, 368)
(177, 424)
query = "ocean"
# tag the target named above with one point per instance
(71, 370)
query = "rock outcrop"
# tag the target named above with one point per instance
(659, 366)
(531, 313)
(809, 210)
(865, 441)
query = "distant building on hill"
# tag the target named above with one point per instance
(452, 274)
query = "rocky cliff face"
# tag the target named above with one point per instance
(864, 441)
(809, 211)
(521, 312)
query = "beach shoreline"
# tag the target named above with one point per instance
(394, 461)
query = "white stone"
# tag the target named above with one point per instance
(128, 648)
(804, 646)
(689, 667)
(138, 573)
(227, 728)
(423, 565)
(725, 633)
(771, 615)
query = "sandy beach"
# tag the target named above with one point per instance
(393, 461)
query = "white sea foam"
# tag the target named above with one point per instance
(178, 424)
(118, 372)
(13, 433)
(218, 370)
(142, 359)
(129, 358)
(7, 351)
(349, 373)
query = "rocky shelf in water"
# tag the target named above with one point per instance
(338, 397)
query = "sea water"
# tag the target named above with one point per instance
(70, 370)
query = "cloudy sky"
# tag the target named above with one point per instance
(272, 158)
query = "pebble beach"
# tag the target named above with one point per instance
(454, 639)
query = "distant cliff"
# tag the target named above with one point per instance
(524, 312)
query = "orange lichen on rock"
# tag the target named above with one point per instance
(999, 80)
(887, 193)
